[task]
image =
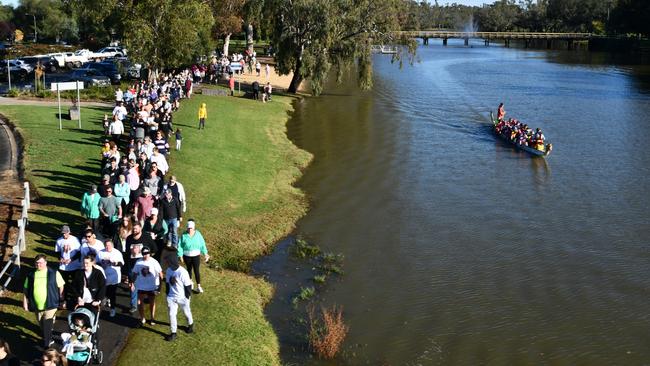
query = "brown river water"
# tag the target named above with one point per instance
(460, 250)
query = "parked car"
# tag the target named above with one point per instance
(113, 51)
(90, 77)
(18, 68)
(49, 63)
(68, 59)
(106, 68)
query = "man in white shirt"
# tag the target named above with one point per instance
(120, 111)
(90, 244)
(179, 290)
(111, 260)
(147, 275)
(68, 247)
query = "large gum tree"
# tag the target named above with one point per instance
(313, 36)
(168, 33)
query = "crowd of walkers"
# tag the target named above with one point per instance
(132, 220)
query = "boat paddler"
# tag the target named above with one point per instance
(501, 113)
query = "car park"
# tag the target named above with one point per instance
(90, 77)
(17, 67)
(113, 51)
(47, 62)
(106, 68)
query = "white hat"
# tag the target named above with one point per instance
(190, 224)
(154, 211)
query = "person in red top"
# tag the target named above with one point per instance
(231, 84)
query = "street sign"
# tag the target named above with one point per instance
(70, 85)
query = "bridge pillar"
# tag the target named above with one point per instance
(526, 43)
(569, 44)
(487, 41)
(425, 41)
(549, 44)
(466, 41)
(444, 41)
(507, 42)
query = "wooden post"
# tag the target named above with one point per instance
(78, 104)
(466, 41)
(444, 41)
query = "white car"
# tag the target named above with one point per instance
(113, 51)
(17, 66)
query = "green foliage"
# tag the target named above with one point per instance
(313, 36)
(173, 35)
(305, 293)
(302, 249)
(320, 279)
(13, 92)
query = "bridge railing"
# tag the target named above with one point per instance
(21, 243)
(494, 35)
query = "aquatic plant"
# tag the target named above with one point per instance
(320, 278)
(327, 331)
(302, 249)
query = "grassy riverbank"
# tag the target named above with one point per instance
(237, 174)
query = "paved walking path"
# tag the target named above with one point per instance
(113, 332)
(64, 102)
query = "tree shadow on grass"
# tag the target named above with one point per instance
(23, 345)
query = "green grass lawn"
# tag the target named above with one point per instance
(238, 176)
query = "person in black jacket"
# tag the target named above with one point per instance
(172, 213)
(89, 285)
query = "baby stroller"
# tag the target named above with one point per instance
(81, 345)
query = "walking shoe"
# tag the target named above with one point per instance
(170, 337)
(200, 289)
(112, 314)
(133, 310)
(190, 329)
(152, 322)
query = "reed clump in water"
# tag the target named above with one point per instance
(327, 331)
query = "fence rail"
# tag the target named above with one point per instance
(494, 35)
(21, 243)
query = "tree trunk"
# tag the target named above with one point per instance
(297, 77)
(249, 38)
(296, 80)
(226, 44)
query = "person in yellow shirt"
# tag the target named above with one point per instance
(43, 291)
(203, 114)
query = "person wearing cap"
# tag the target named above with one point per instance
(179, 290)
(157, 228)
(68, 247)
(146, 277)
(190, 248)
(143, 205)
(171, 212)
(90, 206)
(43, 290)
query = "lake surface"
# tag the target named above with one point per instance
(460, 250)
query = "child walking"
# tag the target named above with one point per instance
(179, 139)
